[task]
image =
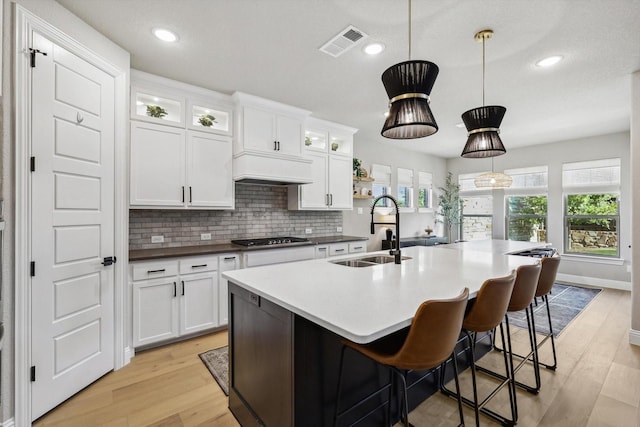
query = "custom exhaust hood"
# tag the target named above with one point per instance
(263, 168)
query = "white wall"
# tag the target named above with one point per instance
(391, 153)
(635, 202)
(56, 15)
(554, 155)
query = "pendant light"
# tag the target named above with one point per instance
(483, 123)
(493, 180)
(408, 85)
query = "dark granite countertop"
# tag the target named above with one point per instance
(149, 254)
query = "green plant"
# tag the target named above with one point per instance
(450, 208)
(307, 141)
(356, 166)
(207, 120)
(156, 111)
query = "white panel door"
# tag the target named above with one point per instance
(314, 195)
(209, 174)
(341, 182)
(155, 310)
(198, 302)
(289, 135)
(157, 165)
(72, 225)
(259, 131)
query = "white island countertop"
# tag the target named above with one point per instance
(367, 303)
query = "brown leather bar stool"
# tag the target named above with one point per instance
(487, 312)
(522, 299)
(546, 281)
(429, 343)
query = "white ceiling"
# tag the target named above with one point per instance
(269, 48)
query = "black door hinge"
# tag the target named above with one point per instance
(33, 268)
(33, 52)
(33, 373)
(33, 164)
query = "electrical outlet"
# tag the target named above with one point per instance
(205, 236)
(339, 229)
(360, 211)
(308, 231)
(157, 239)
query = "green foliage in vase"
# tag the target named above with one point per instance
(356, 166)
(156, 111)
(307, 141)
(207, 120)
(449, 203)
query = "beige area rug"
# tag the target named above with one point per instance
(217, 362)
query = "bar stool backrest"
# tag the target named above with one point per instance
(525, 287)
(547, 275)
(433, 333)
(491, 304)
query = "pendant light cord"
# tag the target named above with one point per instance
(483, 40)
(409, 1)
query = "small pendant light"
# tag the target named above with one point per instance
(483, 123)
(493, 180)
(408, 85)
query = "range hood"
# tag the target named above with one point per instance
(263, 168)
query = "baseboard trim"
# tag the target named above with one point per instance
(594, 282)
(128, 355)
(634, 337)
(9, 423)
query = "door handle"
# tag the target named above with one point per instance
(174, 290)
(183, 288)
(190, 195)
(275, 145)
(162, 270)
(107, 261)
(183, 194)
(330, 199)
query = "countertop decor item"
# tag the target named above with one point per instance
(408, 85)
(207, 120)
(449, 203)
(483, 123)
(156, 111)
(356, 167)
(335, 146)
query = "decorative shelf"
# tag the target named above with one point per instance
(361, 179)
(358, 196)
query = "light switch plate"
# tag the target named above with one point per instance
(339, 229)
(308, 231)
(205, 236)
(360, 212)
(157, 239)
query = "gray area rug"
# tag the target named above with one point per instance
(565, 302)
(217, 361)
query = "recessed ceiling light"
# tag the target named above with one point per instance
(165, 35)
(549, 61)
(373, 48)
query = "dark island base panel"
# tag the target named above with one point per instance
(283, 370)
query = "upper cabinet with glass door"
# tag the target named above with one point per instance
(168, 102)
(328, 137)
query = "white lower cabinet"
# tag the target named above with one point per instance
(228, 262)
(174, 297)
(338, 249)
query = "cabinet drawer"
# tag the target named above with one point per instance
(198, 264)
(338, 249)
(154, 269)
(356, 247)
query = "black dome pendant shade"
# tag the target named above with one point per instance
(483, 127)
(408, 85)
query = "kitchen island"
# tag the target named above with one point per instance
(286, 322)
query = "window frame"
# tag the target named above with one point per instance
(475, 195)
(507, 216)
(405, 178)
(568, 217)
(425, 181)
(382, 180)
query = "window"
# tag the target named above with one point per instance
(405, 188)
(477, 217)
(382, 184)
(592, 207)
(526, 204)
(466, 181)
(425, 191)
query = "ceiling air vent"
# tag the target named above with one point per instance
(345, 40)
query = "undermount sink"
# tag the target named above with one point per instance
(367, 261)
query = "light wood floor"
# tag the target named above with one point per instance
(597, 383)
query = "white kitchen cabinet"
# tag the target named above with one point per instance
(174, 168)
(174, 297)
(276, 256)
(330, 147)
(228, 262)
(339, 249)
(268, 141)
(183, 159)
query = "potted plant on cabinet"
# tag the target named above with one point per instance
(450, 208)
